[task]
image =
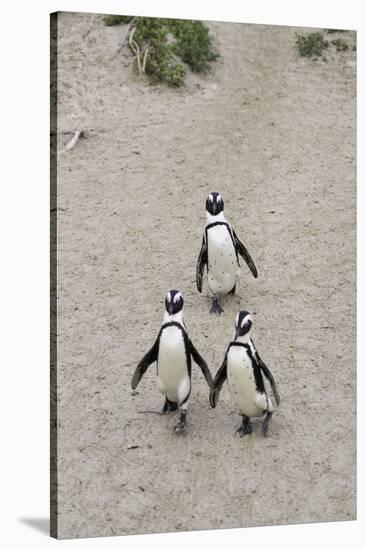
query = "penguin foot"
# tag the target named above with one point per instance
(169, 406)
(246, 428)
(180, 427)
(215, 307)
(266, 423)
(232, 291)
(182, 424)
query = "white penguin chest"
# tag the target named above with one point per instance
(172, 362)
(241, 382)
(223, 268)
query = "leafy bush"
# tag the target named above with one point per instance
(111, 20)
(311, 44)
(340, 44)
(193, 45)
(158, 42)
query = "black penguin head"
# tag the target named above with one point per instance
(214, 204)
(174, 302)
(243, 323)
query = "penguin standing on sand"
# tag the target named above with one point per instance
(220, 254)
(173, 351)
(243, 369)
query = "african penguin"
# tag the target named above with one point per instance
(243, 369)
(220, 254)
(173, 351)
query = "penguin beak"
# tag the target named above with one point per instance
(237, 332)
(170, 308)
(214, 208)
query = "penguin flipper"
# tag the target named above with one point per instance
(143, 365)
(197, 358)
(267, 373)
(218, 382)
(201, 262)
(240, 249)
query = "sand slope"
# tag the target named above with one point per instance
(276, 135)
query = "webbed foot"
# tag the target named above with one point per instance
(246, 427)
(169, 406)
(182, 424)
(265, 424)
(215, 307)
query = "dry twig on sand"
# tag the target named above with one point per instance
(130, 25)
(73, 141)
(136, 50)
(144, 60)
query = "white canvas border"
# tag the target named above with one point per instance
(24, 273)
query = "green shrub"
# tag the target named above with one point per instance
(158, 42)
(340, 44)
(111, 20)
(311, 44)
(193, 44)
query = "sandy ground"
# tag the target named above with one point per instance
(276, 135)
